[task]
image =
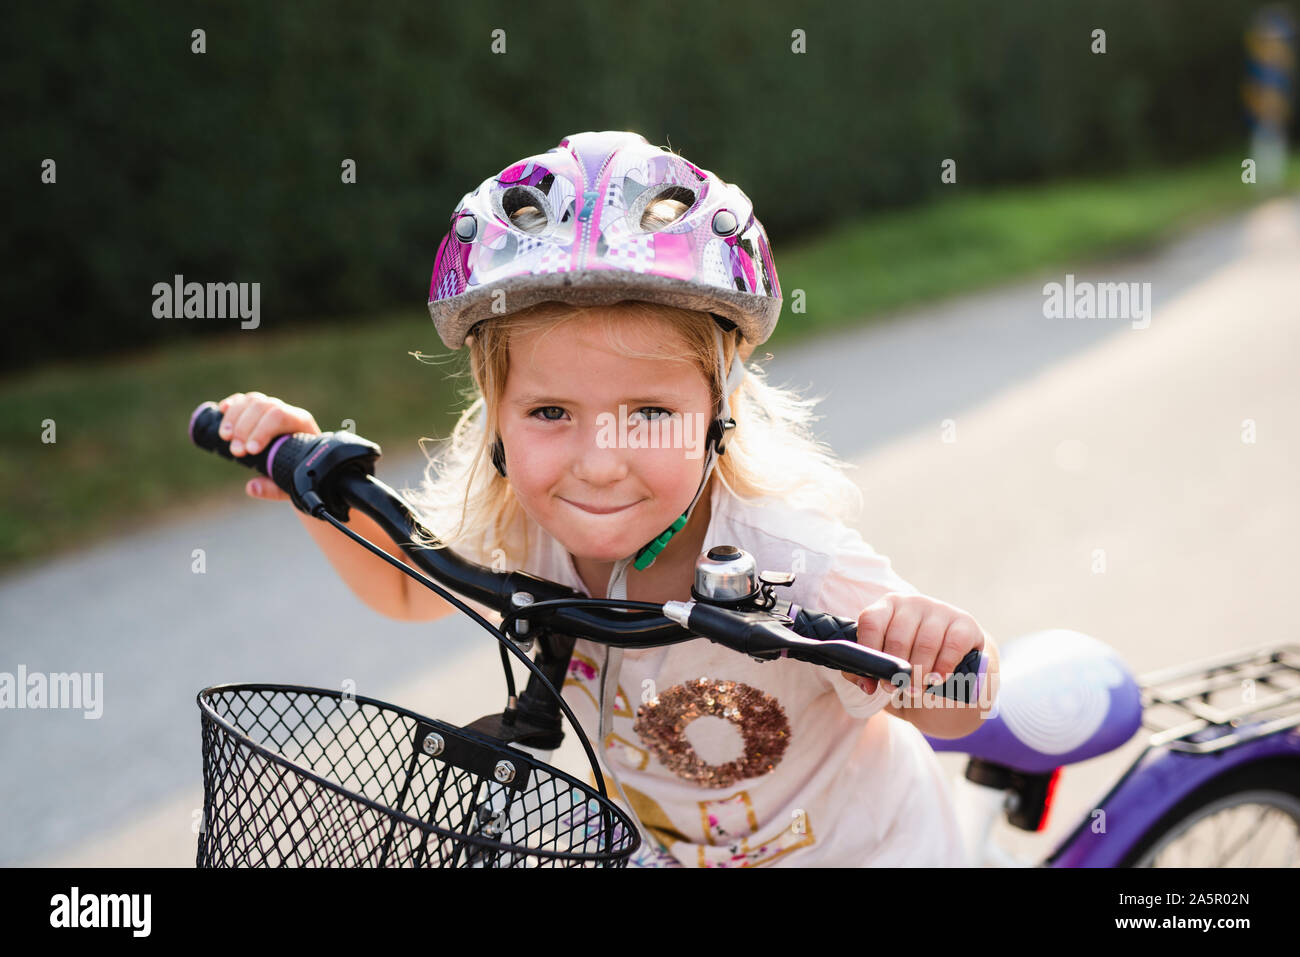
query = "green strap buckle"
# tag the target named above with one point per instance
(651, 551)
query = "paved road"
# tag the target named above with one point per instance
(1071, 435)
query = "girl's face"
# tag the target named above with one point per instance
(601, 499)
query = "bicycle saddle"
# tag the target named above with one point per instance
(1064, 697)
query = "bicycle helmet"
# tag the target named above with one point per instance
(569, 225)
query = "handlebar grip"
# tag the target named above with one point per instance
(848, 656)
(278, 461)
(205, 432)
(967, 678)
(959, 686)
(814, 624)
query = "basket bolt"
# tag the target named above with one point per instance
(433, 744)
(504, 772)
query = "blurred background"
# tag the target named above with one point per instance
(922, 171)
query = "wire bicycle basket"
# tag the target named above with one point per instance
(310, 777)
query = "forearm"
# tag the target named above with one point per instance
(379, 585)
(940, 717)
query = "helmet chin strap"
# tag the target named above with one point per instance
(716, 445)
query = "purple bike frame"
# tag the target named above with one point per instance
(1066, 697)
(1153, 784)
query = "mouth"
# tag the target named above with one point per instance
(600, 510)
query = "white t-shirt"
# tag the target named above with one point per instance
(732, 762)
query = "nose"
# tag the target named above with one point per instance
(597, 465)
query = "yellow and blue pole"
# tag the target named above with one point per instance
(1269, 88)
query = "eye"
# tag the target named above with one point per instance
(654, 412)
(545, 410)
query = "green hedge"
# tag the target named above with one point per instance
(225, 166)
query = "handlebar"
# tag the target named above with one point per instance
(326, 475)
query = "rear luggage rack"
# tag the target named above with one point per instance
(1226, 700)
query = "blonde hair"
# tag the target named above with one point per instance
(772, 452)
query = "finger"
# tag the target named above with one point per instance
(248, 418)
(862, 681)
(872, 626)
(963, 634)
(902, 629)
(265, 489)
(901, 634)
(874, 621)
(307, 421)
(275, 420)
(230, 407)
(927, 645)
(237, 400)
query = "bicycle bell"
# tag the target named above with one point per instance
(725, 574)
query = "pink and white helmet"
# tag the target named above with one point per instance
(585, 243)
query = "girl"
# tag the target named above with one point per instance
(610, 294)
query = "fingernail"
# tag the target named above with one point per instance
(254, 488)
(252, 445)
(236, 446)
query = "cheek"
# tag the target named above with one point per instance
(536, 462)
(669, 471)
(533, 462)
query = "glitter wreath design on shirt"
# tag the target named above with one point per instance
(661, 725)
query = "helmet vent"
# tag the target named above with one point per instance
(526, 208)
(667, 206)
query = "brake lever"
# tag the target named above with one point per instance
(762, 635)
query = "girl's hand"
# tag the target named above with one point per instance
(251, 420)
(933, 635)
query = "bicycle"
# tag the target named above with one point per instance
(289, 775)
